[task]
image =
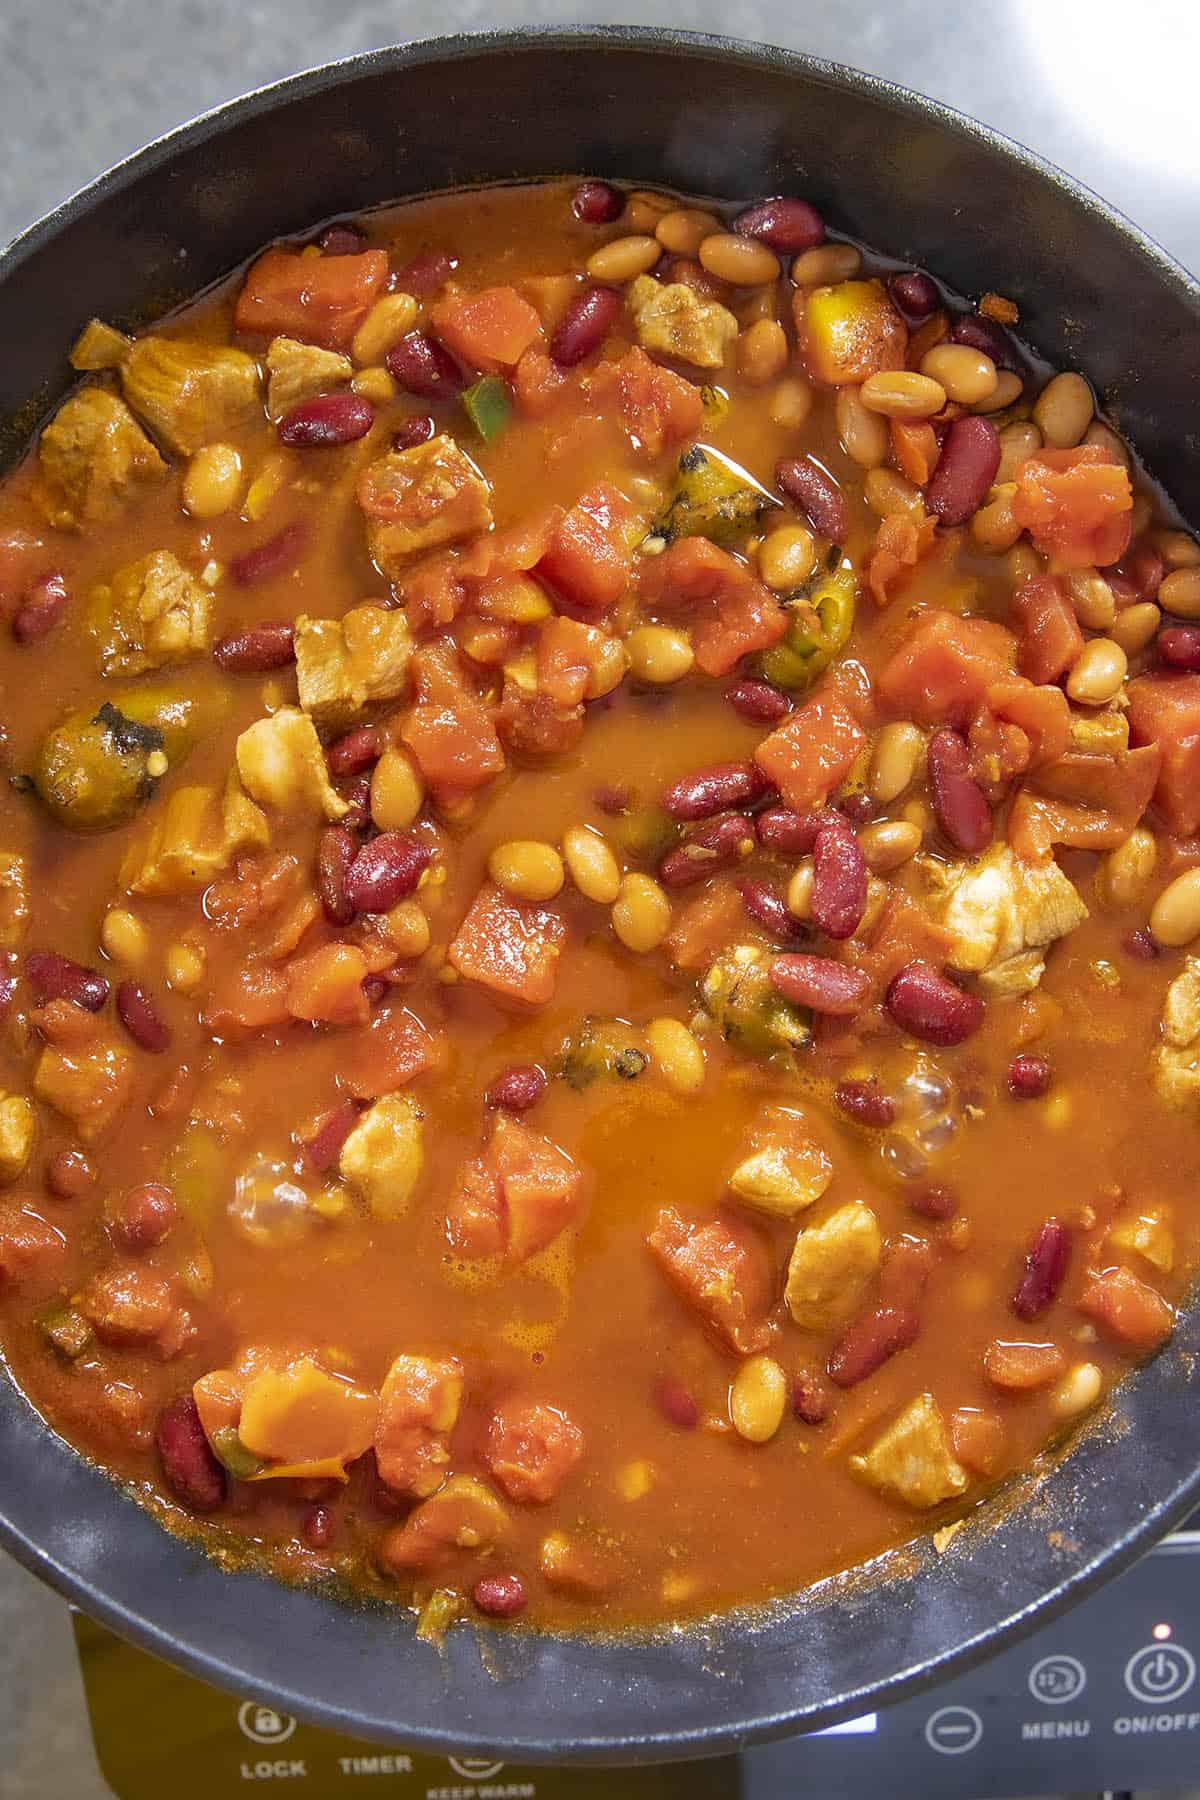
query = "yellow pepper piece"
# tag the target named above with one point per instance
(305, 1421)
(849, 331)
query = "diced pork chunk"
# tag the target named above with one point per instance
(14, 899)
(343, 665)
(419, 1405)
(88, 1083)
(721, 1268)
(531, 1449)
(1149, 1234)
(297, 372)
(152, 614)
(912, 1461)
(93, 457)
(831, 1267)
(191, 393)
(383, 1156)
(414, 500)
(1002, 913)
(17, 1130)
(194, 839)
(463, 1516)
(282, 764)
(675, 320)
(1176, 1064)
(786, 1170)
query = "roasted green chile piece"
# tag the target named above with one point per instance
(96, 769)
(712, 498)
(738, 997)
(67, 1331)
(820, 620)
(601, 1047)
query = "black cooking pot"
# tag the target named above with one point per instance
(916, 180)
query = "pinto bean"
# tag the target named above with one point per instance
(869, 1341)
(1045, 1270)
(965, 470)
(768, 909)
(927, 1005)
(326, 421)
(865, 1102)
(424, 367)
(813, 489)
(714, 790)
(585, 324)
(257, 648)
(820, 983)
(192, 1471)
(42, 608)
(386, 871)
(597, 203)
(324, 1147)
(713, 845)
(55, 977)
(500, 1596)
(786, 225)
(958, 800)
(141, 1018)
(143, 1216)
(517, 1088)
(273, 558)
(758, 701)
(839, 890)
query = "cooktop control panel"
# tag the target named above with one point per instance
(1106, 1698)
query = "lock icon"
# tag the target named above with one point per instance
(263, 1725)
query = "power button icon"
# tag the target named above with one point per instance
(1160, 1672)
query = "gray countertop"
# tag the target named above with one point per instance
(1110, 97)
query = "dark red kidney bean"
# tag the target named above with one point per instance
(984, 334)
(355, 751)
(810, 1402)
(1028, 1076)
(424, 367)
(43, 607)
(141, 1018)
(193, 1473)
(820, 983)
(256, 649)
(326, 421)
(357, 795)
(714, 790)
(907, 1266)
(860, 809)
(965, 470)
(585, 325)
(316, 1527)
(927, 1005)
(758, 701)
(143, 1216)
(865, 1102)
(869, 1341)
(686, 270)
(1179, 647)
(1045, 1270)
(342, 239)
(1138, 575)
(958, 800)
(915, 294)
(839, 885)
(500, 1596)
(791, 833)
(1140, 945)
(597, 202)
(516, 1089)
(813, 489)
(426, 273)
(713, 845)
(768, 909)
(69, 1175)
(324, 1147)
(418, 429)
(55, 977)
(786, 225)
(613, 799)
(337, 848)
(386, 871)
(677, 1403)
(273, 558)
(935, 1201)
